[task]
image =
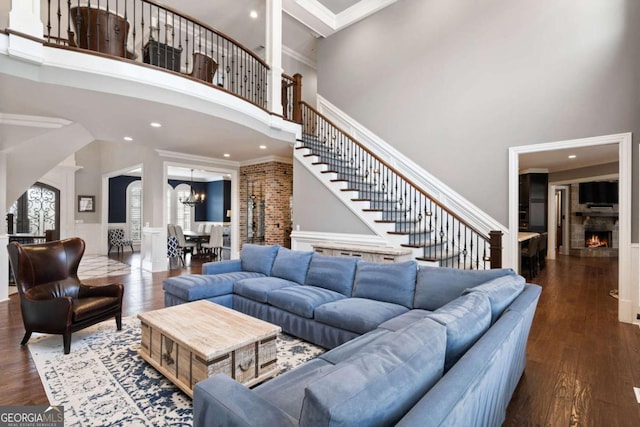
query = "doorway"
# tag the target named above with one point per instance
(627, 288)
(36, 211)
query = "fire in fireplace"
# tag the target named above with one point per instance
(597, 239)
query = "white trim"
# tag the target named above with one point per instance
(303, 240)
(626, 306)
(323, 21)
(466, 210)
(267, 159)
(299, 57)
(195, 158)
(33, 121)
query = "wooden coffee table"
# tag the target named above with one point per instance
(190, 342)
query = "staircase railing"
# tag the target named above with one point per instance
(441, 234)
(146, 32)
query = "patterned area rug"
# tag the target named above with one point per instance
(103, 381)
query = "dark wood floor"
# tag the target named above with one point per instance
(582, 364)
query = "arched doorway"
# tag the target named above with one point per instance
(36, 211)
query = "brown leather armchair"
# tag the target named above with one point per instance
(52, 299)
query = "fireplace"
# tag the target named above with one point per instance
(597, 239)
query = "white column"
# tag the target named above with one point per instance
(154, 233)
(273, 50)
(24, 17)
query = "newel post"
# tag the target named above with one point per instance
(297, 98)
(495, 248)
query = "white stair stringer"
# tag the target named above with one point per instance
(381, 229)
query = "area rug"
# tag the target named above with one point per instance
(103, 381)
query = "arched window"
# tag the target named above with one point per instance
(184, 213)
(134, 210)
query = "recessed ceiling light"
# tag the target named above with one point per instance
(227, 155)
(155, 125)
(128, 138)
(253, 14)
(263, 147)
(572, 156)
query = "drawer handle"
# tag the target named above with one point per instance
(246, 365)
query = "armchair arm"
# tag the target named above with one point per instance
(222, 401)
(112, 290)
(47, 315)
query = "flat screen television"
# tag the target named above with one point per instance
(598, 193)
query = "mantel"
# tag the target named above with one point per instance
(603, 214)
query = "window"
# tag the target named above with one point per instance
(184, 213)
(134, 210)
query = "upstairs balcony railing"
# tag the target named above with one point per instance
(149, 33)
(440, 234)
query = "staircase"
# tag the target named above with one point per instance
(392, 205)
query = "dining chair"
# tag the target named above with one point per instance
(214, 246)
(173, 250)
(186, 247)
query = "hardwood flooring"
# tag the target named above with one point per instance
(582, 364)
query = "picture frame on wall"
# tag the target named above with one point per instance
(86, 203)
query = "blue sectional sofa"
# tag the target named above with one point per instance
(408, 345)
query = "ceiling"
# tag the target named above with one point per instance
(24, 114)
(558, 160)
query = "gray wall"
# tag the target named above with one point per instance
(317, 209)
(453, 84)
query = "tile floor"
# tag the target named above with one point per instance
(93, 266)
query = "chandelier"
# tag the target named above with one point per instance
(193, 198)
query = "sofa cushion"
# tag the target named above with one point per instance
(225, 266)
(302, 300)
(286, 392)
(501, 292)
(291, 265)
(258, 258)
(466, 318)
(379, 384)
(436, 286)
(348, 349)
(405, 319)
(332, 272)
(258, 289)
(358, 315)
(389, 282)
(191, 287)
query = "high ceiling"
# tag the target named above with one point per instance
(108, 117)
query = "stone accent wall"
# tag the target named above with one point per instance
(272, 184)
(605, 219)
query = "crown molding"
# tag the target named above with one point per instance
(195, 158)
(33, 121)
(267, 159)
(299, 57)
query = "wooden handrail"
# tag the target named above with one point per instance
(400, 174)
(202, 24)
(338, 141)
